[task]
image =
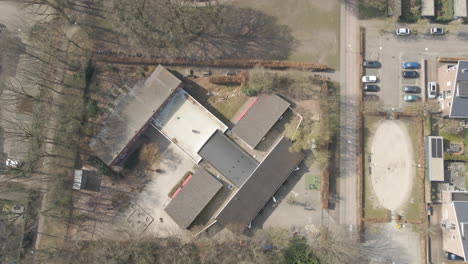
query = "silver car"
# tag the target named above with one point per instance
(403, 31)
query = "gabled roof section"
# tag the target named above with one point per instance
(132, 112)
(193, 198)
(260, 118)
(461, 211)
(462, 78)
(228, 158)
(260, 187)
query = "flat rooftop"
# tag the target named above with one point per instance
(228, 158)
(196, 192)
(252, 196)
(132, 112)
(260, 118)
(187, 123)
(435, 158)
(459, 8)
(427, 8)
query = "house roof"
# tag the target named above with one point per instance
(87, 180)
(427, 8)
(132, 112)
(462, 78)
(252, 196)
(193, 197)
(435, 159)
(260, 118)
(461, 211)
(459, 108)
(459, 7)
(228, 158)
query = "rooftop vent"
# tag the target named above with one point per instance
(465, 70)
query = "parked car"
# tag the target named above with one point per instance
(402, 31)
(371, 64)
(371, 88)
(230, 73)
(410, 98)
(429, 210)
(431, 90)
(369, 79)
(451, 256)
(410, 65)
(13, 163)
(437, 31)
(411, 89)
(410, 74)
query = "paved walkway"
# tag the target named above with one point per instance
(347, 181)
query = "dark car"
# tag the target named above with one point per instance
(410, 74)
(371, 64)
(411, 89)
(410, 65)
(371, 88)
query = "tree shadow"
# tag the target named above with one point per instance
(224, 31)
(245, 33)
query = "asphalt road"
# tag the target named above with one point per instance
(347, 180)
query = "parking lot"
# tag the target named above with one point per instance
(392, 50)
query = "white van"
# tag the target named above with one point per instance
(432, 90)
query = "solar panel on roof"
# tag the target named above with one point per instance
(433, 147)
(439, 148)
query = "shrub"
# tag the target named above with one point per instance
(92, 109)
(249, 92)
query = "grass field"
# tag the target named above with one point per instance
(315, 24)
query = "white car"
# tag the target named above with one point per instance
(369, 79)
(432, 90)
(13, 163)
(402, 31)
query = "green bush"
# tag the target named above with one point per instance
(249, 92)
(260, 80)
(299, 252)
(92, 109)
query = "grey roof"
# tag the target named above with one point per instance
(228, 158)
(260, 118)
(435, 158)
(461, 210)
(427, 8)
(260, 187)
(132, 112)
(462, 78)
(459, 8)
(87, 180)
(193, 197)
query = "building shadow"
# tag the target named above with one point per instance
(280, 195)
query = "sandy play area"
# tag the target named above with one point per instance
(392, 164)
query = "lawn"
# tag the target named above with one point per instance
(371, 9)
(444, 10)
(411, 211)
(315, 25)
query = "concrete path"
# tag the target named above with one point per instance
(347, 181)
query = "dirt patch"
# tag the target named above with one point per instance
(392, 164)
